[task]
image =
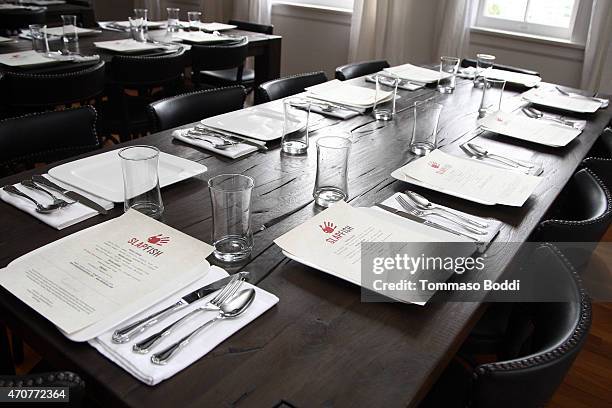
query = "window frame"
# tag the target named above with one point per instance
(524, 27)
(332, 4)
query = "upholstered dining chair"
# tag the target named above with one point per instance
(23, 92)
(469, 62)
(283, 87)
(136, 81)
(220, 64)
(559, 331)
(190, 107)
(12, 20)
(358, 69)
(46, 137)
(603, 145)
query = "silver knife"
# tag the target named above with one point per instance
(424, 221)
(70, 194)
(124, 334)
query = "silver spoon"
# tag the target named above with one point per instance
(230, 309)
(480, 153)
(537, 114)
(485, 152)
(43, 209)
(199, 136)
(425, 203)
(56, 201)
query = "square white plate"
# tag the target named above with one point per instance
(25, 59)
(101, 175)
(415, 73)
(150, 24)
(126, 46)
(199, 37)
(558, 101)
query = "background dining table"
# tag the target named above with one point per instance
(264, 48)
(321, 345)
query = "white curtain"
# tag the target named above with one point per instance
(256, 11)
(402, 30)
(597, 66)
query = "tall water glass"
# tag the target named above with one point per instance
(173, 19)
(40, 43)
(448, 68)
(137, 29)
(143, 14)
(384, 110)
(484, 62)
(492, 93)
(195, 19)
(141, 179)
(296, 115)
(425, 127)
(230, 195)
(70, 34)
(331, 183)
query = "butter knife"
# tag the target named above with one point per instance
(124, 334)
(70, 194)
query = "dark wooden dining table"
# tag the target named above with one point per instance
(264, 48)
(321, 345)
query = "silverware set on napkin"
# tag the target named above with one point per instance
(534, 113)
(229, 301)
(220, 139)
(481, 153)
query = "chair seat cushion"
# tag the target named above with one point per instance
(228, 75)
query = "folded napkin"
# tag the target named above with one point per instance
(233, 152)
(492, 230)
(63, 217)
(140, 366)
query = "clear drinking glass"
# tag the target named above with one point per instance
(331, 183)
(385, 110)
(425, 127)
(492, 92)
(230, 195)
(137, 29)
(483, 63)
(296, 115)
(173, 19)
(143, 14)
(40, 43)
(448, 67)
(71, 36)
(194, 18)
(141, 180)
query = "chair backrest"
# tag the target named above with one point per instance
(358, 69)
(14, 19)
(46, 137)
(602, 168)
(560, 331)
(603, 145)
(283, 87)
(218, 57)
(469, 62)
(190, 107)
(25, 92)
(138, 71)
(254, 27)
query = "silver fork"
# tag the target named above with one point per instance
(56, 200)
(144, 346)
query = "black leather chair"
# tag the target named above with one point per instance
(253, 27)
(46, 137)
(134, 83)
(24, 92)
(358, 69)
(190, 107)
(221, 64)
(469, 62)
(559, 331)
(11, 21)
(283, 87)
(603, 145)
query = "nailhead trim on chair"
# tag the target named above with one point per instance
(41, 379)
(579, 332)
(54, 76)
(179, 51)
(63, 149)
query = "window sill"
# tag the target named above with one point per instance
(528, 37)
(314, 7)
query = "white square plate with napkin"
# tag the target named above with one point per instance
(25, 59)
(556, 100)
(126, 46)
(63, 217)
(233, 152)
(340, 92)
(140, 366)
(512, 77)
(414, 73)
(200, 37)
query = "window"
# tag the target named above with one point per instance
(550, 18)
(341, 4)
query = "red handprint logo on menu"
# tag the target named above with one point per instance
(328, 227)
(158, 239)
(434, 165)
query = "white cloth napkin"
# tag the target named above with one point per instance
(233, 152)
(63, 217)
(140, 365)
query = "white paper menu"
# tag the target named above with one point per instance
(114, 268)
(529, 129)
(471, 180)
